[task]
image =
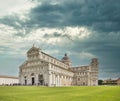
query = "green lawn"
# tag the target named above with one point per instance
(34, 93)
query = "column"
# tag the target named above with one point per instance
(50, 79)
(58, 80)
(36, 79)
(54, 79)
(61, 80)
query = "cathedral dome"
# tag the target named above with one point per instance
(65, 58)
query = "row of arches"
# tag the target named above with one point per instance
(32, 80)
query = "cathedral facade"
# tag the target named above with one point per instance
(43, 69)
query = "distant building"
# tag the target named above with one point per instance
(111, 82)
(43, 69)
(8, 80)
(118, 81)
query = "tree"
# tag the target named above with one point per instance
(100, 82)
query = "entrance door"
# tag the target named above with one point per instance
(83, 83)
(33, 80)
(40, 79)
(25, 82)
(41, 82)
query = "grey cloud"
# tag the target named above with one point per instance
(53, 35)
(100, 15)
(11, 20)
(16, 23)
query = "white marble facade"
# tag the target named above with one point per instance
(43, 69)
(8, 80)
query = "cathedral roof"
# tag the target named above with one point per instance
(5, 76)
(33, 49)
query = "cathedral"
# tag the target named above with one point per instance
(45, 70)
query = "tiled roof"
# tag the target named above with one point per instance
(5, 76)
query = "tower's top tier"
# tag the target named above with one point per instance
(94, 60)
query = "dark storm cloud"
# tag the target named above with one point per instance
(12, 20)
(101, 15)
(18, 24)
(105, 47)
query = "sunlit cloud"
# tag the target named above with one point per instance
(13, 6)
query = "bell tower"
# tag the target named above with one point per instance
(94, 64)
(94, 72)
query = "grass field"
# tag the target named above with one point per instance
(34, 93)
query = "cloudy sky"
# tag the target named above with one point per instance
(83, 29)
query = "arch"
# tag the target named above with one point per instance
(33, 80)
(32, 74)
(40, 79)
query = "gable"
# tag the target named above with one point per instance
(33, 51)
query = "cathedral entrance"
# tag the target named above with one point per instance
(40, 80)
(83, 83)
(25, 82)
(33, 80)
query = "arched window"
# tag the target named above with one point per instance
(32, 74)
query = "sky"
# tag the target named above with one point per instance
(84, 29)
